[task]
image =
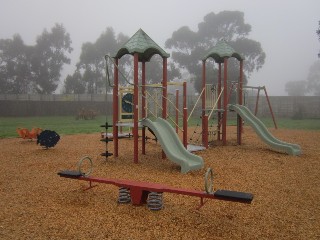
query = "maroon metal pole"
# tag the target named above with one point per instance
(239, 119)
(203, 113)
(274, 120)
(177, 112)
(165, 90)
(115, 108)
(135, 108)
(257, 102)
(164, 93)
(219, 103)
(205, 133)
(225, 96)
(144, 114)
(185, 116)
(185, 127)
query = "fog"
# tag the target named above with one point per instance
(286, 29)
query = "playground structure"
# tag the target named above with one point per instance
(220, 54)
(128, 101)
(126, 105)
(139, 193)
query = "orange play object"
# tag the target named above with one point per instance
(26, 134)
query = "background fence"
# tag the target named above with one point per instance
(70, 104)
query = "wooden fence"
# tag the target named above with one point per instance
(62, 104)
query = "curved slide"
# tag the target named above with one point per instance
(263, 133)
(172, 145)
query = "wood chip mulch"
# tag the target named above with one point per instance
(35, 203)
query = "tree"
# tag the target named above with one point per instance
(48, 58)
(92, 61)
(296, 88)
(14, 66)
(74, 84)
(189, 47)
(313, 80)
(154, 69)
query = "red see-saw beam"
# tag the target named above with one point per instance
(139, 190)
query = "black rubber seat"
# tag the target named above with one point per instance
(70, 174)
(233, 196)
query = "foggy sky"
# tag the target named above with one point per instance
(285, 28)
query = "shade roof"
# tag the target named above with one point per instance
(220, 51)
(142, 44)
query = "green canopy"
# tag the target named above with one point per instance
(142, 44)
(220, 51)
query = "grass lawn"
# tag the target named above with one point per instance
(60, 124)
(69, 125)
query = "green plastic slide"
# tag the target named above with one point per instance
(263, 133)
(172, 145)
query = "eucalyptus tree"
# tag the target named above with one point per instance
(15, 69)
(92, 62)
(189, 47)
(49, 55)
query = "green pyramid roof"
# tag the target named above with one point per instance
(141, 43)
(222, 50)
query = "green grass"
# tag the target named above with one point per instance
(69, 125)
(60, 124)
(286, 123)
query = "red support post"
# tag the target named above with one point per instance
(185, 116)
(203, 113)
(164, 93)
(115, 108)
(239, 119)
(135, 108)
(219, 103)
(185, 127)
(225, 96)
(143, 101)
(274, 121)
(177, 112)
(184, 94)
(205, 136)
(257, 102)
(240, 83)
(165, 90)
